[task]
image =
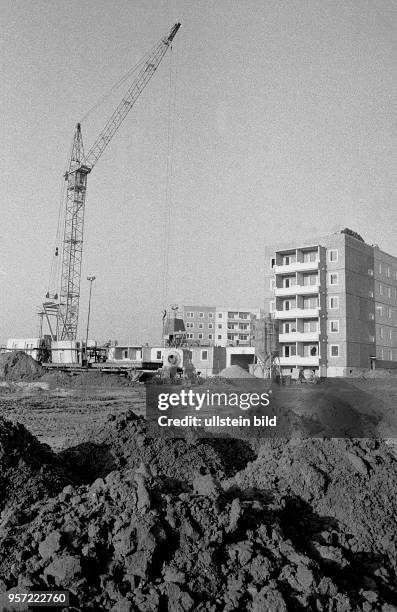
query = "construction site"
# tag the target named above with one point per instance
(106, 511)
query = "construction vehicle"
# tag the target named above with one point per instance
(61, 307)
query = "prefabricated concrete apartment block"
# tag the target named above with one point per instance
(335, 299)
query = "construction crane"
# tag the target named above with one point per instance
(64, 307)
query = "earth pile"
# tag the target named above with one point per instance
(127, 543)
(183, 525)
(29, 470)
(17, 365)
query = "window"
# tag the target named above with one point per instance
(371, 293)
(219, 337)
(333, 302)
(370, 272)
(334, 350)
(310, 302)
(389, 313)
(125, 354)
(379, 310)
(333, 255)
(189, 325)
(380, 289)
(310, 256)
(219, 326)
(200, 336)
(334, 327)
(310, 350)
(189, 315)
(310, 279)
(289, 350)
(204, 355)
(388, 271)
(272, 262)
(190, 336)
(219, 315)
(158, 354)
(333, 278)
(244, 315)
(243, 325)
(201, 325)
(381, 332)
(243, 337)
(210, 326)
(389, 292)
(201, 315)
(310, 326)
(380, 268)
(210, 336)
(371, 316)
(372, 338)
(210, 315)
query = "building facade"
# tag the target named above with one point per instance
(218, 325)
(335, 300)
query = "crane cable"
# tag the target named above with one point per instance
(169, 175)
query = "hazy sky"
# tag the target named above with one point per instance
(285, 124)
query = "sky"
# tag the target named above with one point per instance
(283, 116)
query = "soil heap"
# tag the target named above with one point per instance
(29, 470)
(181, 526)
(17, 365)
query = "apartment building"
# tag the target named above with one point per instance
(335, 298)
(219, 325)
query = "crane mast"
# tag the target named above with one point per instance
(65, 307)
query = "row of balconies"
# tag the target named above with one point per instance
(299, 361)
(299, 337)
(297, 313)
(297, 290)
(296, 266)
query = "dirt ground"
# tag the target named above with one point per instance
(92, 502)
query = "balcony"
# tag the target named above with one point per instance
(297, 313)
(298, 361)
(297, 290)
(299, 337)
(296, 266)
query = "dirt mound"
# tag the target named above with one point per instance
(352, 482)
(235, 371)
(126, 440)
(127, 542)
(29, 470)
(17, 365)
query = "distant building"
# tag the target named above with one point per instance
(218, 326)
(335, 300)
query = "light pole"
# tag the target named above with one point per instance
(91, 279)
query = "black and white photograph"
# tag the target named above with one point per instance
(198, 306)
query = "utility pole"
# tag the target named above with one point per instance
(91, 279)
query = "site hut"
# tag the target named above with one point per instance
(335, 298)
(125, 353)
(30, 346)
